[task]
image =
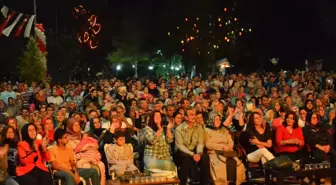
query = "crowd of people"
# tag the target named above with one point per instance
(179, 125)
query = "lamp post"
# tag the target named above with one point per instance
(35, 10)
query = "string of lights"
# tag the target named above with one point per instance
(88, 26)
(209, 33)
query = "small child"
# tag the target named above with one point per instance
(120, 155)
(87, 153)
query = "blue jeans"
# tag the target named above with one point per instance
(85, 173)
(162, 164)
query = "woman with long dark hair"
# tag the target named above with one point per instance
(8, 159)
(157, 144)
(289, 137)
(10, 137)
(257, 140)
(32, 154)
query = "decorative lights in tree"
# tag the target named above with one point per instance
(203, 35)
(88, 27)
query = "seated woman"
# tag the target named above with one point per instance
(87, 153)
(157, 144)
(219, 143)
(257, 140)
(319, 139)
(289, 138)
(120, 155)
(10, 138)
(8, 152)
(75, 136)
(32, 154)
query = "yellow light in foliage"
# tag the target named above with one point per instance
(197, 18)
(219, 19)
(182, 41)
(250, 30)
(215, 46)
(168, 33)
(177, 27)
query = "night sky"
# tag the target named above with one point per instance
(293, 30)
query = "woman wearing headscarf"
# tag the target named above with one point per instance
(309, 106)
(32, 154)
(219, 143)
(75, 135)
(74, 132)
(319, 139)
(48, 130)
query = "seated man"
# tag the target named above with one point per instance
(63, 162)
(189, 141)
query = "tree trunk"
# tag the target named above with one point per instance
(136, 69)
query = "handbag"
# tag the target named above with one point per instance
(225, 154)
(279, 163)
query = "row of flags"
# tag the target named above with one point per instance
(15, 23)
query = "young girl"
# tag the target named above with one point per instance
(120, 155)
(87, 152)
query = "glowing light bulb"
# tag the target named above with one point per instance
(168, 33)
(118, 67)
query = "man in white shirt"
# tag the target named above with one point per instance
(55, 99)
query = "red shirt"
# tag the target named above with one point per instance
(283, 134)
(26, 157)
